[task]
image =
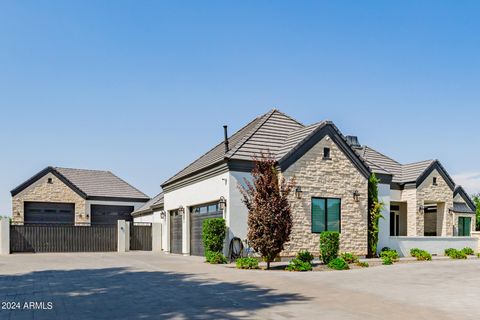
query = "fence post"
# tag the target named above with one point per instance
(123, 242)
(156, 237)
(4, 236)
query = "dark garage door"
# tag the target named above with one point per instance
(176, 230)
(102, 214)
(49, 213)
(198, 215)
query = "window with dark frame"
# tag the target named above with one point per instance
(326, 214)
(326, 153)
(434, 181)
(205, 208)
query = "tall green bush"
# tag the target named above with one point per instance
(213, 233)
(329, 245)
(374, 215)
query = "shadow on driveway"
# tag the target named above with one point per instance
(120, 293)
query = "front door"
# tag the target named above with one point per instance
(464, 225)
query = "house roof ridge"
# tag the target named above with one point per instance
(249, 135)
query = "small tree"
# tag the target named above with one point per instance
(269, 212)
(476, 200)
(374, 215)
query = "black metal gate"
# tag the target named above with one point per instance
(141, 237)
(176, 232)
(61, 238)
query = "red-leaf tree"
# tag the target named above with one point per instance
(269, 211)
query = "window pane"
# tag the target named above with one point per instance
(203, 210)
(333, 218)
(212, 208)
(318, 215)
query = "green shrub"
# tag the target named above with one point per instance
(414, 252)
(420, 254)
(338, 264)
(362, 264)
(385, 249)
(386, 260)
(298, 265)
(449, 251)
(213, 234)
(305, 256)
(392, 254)
(349, 257)
(468, 251)
(215, 257)
(247, 263)
(455, 254)
(329, 245)
(478, 255)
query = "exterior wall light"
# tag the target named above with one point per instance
(298, 192)
(222, 203)
(421, 209)
(181, 210)
(356, 196)
(162, 214)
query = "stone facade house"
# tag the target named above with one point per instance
(74, 197)
(331, 193)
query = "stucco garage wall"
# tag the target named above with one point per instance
(205, 191)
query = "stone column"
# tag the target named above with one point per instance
(410, 195)
(156, 237)
(4, 236)
(123, 240)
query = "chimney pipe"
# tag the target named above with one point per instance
(225, 132)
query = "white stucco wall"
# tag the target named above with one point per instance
(434, 245)
(209, 190)
(155, 217)
(384, 195)
(237, 213)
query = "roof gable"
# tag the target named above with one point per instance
(90, 184)
(461, 192)
(436, 165)
(312, 136)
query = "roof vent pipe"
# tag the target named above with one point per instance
(225, 132)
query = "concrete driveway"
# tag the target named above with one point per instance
(143, 285)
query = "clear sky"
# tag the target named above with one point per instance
(142, 88)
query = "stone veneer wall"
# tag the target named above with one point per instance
(42, 191)
(443, 196)
(335, 178)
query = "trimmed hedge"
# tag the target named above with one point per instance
(213, 234)
(338, 264)
(329, 245)
(455, 254)
(420, 254)
(247, 263)
(215, 257)
(349, 257)
(298, 265)
(305, 256)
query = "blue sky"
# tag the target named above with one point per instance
(142, 88)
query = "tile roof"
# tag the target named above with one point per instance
(461, 207)
(156, 201)
(267, 132)
(402, 173)
(96, 183)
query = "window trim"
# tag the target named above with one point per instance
(329, 155)
(326, 214)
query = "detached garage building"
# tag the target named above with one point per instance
(75, 197)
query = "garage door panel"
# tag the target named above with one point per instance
(107, 214)
(196, 226)
(176, 233)
(49, 213)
